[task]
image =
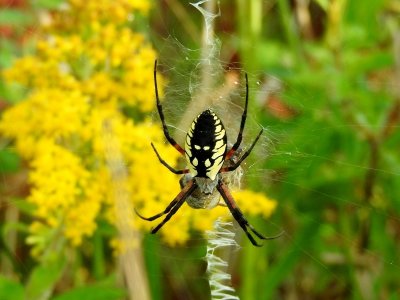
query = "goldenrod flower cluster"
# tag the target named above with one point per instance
(89, 65)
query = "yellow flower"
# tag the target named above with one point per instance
(90, 68)
(253, 203)
(61, 184)
(50, 113)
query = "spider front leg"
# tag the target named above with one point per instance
(238, 215)
(173, 207)
(173, 170)
(244, 156)
(242, 123)
(160, 112)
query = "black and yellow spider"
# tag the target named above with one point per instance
(207, 157)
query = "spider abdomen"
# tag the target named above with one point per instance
(205, 146)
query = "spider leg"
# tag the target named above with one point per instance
(173, 207)
(175, 171)
(180, 199)
(239, 217)
(237, 164)
(160, 112)
(242, 123)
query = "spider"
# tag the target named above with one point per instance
(208, 159)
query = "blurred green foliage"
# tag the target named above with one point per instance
(334, 163)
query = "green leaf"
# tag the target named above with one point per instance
(15, 17)
(44, 277)
(154, 266)
(10, 290)
(94, 292)
(289, 259)
(323, 4)
(12, 92)
(8, 51)
(9, 161)
(47, 4)
(23, 205)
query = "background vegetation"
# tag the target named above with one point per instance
(325, 81)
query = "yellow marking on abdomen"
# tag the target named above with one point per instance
(218, 144)
(220, 135)
(219, 152)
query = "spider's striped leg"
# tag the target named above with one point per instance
(181, 197)
(239, 217)
(242, 123)
(179, 200)
(160, 112)
(175, 171)
(237, 164)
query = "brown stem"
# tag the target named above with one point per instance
(369, 183)
(392, 120)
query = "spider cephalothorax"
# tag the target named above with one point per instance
(208, 159)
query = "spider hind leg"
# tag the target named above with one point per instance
(173, 207)
(239, 217)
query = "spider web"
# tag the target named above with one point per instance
(185, 87)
